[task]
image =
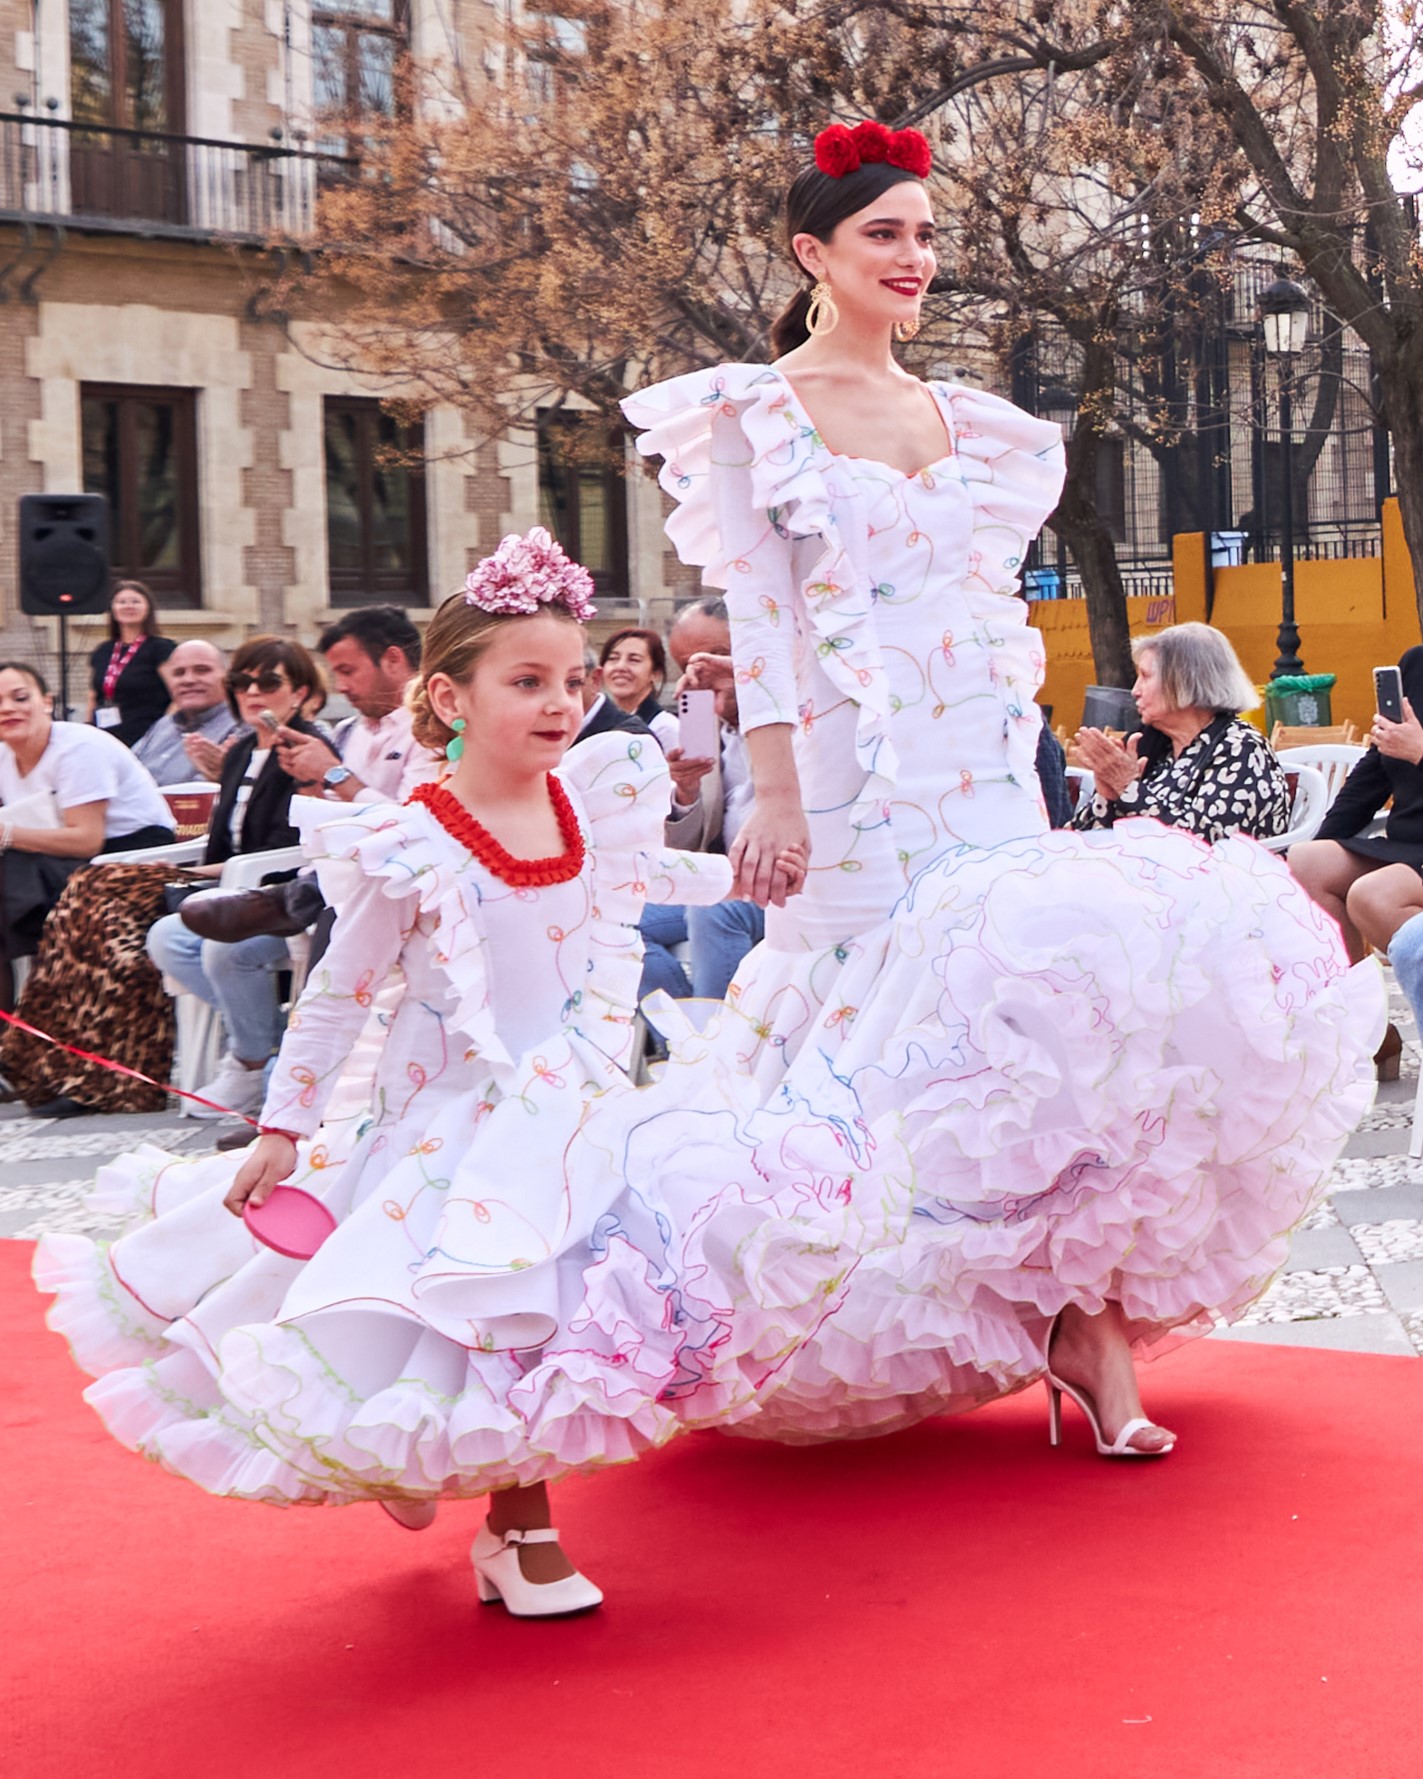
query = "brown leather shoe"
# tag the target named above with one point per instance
(280, 909)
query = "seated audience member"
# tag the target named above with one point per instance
(195, 733)
(1405, 953)
(127, 694)
(714, 799)
(372, 656)
(1373, 883)
(1052, 776)
(632, 668)
(269, 684)
(70, 792)
(599, 712)
(1196, 764)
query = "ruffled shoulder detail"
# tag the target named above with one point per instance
(621, 788)
(408, 854)
(1012, 465)
(746, 418)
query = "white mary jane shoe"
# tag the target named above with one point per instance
(498, 1576)
(415, 1516)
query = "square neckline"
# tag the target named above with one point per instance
(940, 405)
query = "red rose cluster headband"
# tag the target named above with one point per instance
(840, 150)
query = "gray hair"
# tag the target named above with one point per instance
(710, 605)
(590, 659)
(1197, 666)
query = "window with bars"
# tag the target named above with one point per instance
(375, 505)
(140, 451)
(583, 496)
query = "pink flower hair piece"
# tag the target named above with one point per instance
(527, 572)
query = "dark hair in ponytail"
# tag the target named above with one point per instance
(816, 205)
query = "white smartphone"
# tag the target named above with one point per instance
(1388, 693)
(698, 731)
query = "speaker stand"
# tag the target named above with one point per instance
(63, 665)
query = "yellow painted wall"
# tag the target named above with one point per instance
(1353, 616)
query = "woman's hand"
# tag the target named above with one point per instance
(1399, 741)
(687, 776)
(270, 1159)
(770, 855)
(1113, 764)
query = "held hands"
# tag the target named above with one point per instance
(1399, 741)
(270, 1159)
(1113, 764)
(771, 854)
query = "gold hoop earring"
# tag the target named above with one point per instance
(906, 330)
(822, 316)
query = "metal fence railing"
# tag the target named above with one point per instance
(56, 170)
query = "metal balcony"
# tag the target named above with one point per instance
(147, 182)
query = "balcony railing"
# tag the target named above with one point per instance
(148, 182)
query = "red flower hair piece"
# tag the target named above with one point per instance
(836, 152)
(839, 150)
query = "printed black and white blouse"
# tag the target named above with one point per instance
(1225, 782)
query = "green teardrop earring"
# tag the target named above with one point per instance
(454, 748)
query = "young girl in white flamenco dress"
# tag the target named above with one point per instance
(990, 1101)
(450, 1337)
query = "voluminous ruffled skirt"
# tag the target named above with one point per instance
(1071, 1068)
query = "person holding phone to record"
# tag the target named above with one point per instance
(1372, 882)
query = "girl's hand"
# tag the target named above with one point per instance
(1399, 741)
(270, 1159)
(791, 867)
(1113, 764)
(773, 829)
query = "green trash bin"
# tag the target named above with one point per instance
(1299, 700)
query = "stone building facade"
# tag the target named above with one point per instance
(151, 151)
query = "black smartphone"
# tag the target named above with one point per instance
(1388, 693)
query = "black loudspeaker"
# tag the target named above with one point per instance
(64, 554)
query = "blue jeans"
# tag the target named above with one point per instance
(721, 936)
(1405, 953)
(239, 980)
(661, 929)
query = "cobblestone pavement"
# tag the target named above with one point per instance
(1354, 1279)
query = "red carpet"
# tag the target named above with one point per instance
(958, 1599)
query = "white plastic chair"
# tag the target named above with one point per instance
(1308, 805)
(1333, 760)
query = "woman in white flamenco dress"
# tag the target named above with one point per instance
(985, 1087)
(482, 1318)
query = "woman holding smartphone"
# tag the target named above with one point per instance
(1373, 883)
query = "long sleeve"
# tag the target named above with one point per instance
(760, 586)
(1361, 796)
(366, 943)
(1240, 788)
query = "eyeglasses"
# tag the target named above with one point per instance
(262, 682)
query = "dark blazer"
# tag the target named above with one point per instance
(610, 716)
(1377, 778)
(268, 823)
(140, 693)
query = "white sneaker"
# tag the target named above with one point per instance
(234, 1088)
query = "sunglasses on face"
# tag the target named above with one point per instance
(261, 682)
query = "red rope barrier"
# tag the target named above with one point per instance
(120, 1068)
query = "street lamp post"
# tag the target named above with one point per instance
(1284, 320)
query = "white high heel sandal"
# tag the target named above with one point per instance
(497, 1575)
(1121, 1446)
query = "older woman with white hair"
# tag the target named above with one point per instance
(1195, 764)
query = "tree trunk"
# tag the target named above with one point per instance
(1403, 410)
(1083, 529)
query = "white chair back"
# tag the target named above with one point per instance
(1335, 761)
(1308, 805)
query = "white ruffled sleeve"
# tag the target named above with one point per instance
(620, 785)
(1013, 465)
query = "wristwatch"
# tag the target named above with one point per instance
(334, 775)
